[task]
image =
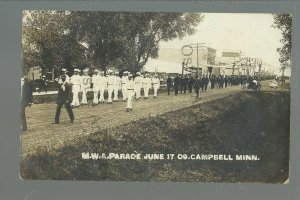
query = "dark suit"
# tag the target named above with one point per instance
(177, 82)
(26, 100)
(197, 86)
(64, 97)
(169, 84)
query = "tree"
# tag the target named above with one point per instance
(47, 43)
(125, 40)
(283, 22)
(119, 40)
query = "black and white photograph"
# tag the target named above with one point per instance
(155, 96)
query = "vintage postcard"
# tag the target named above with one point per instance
(155, 96)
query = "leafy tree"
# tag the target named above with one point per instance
(283, 22)
(125, 40)
(120, 40)
(46, 42)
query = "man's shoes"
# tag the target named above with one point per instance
(56, 123)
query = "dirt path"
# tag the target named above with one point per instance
(89, 119)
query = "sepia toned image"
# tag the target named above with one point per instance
(155, 96)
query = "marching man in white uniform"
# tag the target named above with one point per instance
(156, 85)
(102, 86)
(76, 83)
(130, 92)
(137, 85)
(85, 85)
(96, 86)
(124, 86)
(117, 86)
(110, 85)
(146, 85)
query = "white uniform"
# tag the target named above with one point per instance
(110, 87)
(124, 82)
(146, 85)
(117, 87)
(96, 87)
(76, 83)
(130, 92)
(85, 85)
(102, 87)
(137, 86)
(156, 85)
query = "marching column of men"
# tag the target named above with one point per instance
(98, 84)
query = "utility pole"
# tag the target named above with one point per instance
(197, 60)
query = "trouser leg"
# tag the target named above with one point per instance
(110, 91)
(146, 91)
(96, 100)
(84, 98)
(116, 90)
(129, 100)
(57, 114)
(101, 98)
(155, 91)
(70, 111)
(168, 88)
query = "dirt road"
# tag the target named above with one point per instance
(89, 119)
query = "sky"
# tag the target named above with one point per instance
(252, 34)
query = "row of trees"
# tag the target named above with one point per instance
(121, 40)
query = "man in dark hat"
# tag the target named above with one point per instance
(64, 97)
(26, 100)
(177, 81)
(169, 84)
(197, 86)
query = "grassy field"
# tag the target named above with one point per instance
(241, 123)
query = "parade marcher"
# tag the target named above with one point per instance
(102, 86)
(156, 85)
(197, 86)
(176, 84)
(137, 85)
(206, 82)
(63, 98)
(202, 83)
(185, 81)
(85, 85)
(76, 83)
(26, 100)
(190, 84)
(110, 85)
(117, 86)
(146, 85)
(124, 85)
(180, 84)
(96, 86)
(169, 84)
(130, 86)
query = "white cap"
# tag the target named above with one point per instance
(86, 70)
(138, 73)
(116, 72)
(76, 70)
(96, 70)
(101, 72)
(64, 69)
(130, 75)
(125, 72)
